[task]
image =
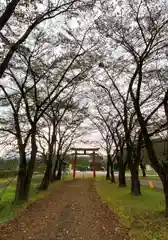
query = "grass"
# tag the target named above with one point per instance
(143, 215)
(8, 210)
(9, 193)
(151, 173)
(151, 178)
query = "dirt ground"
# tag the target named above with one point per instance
(74, 212)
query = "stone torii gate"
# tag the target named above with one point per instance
(85, 152)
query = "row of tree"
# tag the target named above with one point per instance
(52, 51)
(130, 88)
(44, 64)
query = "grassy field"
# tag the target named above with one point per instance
(143, 215)
(7, 208)
(9, 193)
(150, 178)
(150, 172)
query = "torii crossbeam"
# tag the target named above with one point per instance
(85, 152)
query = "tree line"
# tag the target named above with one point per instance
(131, 94)
(44, 62)
(117, 49)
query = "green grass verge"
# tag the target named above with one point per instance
(148, 172)
(151, 178)
(143, 215)
(8, 210)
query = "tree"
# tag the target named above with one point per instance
(51, 10)
(42, 81)
(52, 119)
(110, 121)
(142, 45)
(55, 118)
(101, 125)
(119, 99)
(69, 130)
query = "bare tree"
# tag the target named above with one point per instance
(52, 10)
(68, 131)
(31, 94)
(143, 45)
(101, 125)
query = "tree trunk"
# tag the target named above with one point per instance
(54, 170)
(8, 12)
(112, 172)
(121, 176)
(47, 175)
(20, 186)
(134, 168)
(157, 167)
(148, 144)
(164, 179)
(108, 168)
(135, 183)
(122, 166)
(19, 193)
(143, 168)
(31, 164)
(48, 172)
(59, 173)
(58, 166)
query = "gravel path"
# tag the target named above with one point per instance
(74, 212)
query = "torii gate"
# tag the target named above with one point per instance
(85, 150)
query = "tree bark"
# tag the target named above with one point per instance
(166, 105)
(121, 176)
(112, 172)
(47, 175)
(20, 186)
(8, 12)
(57, 166)
(59, 173)
(143, 124)
(54, 170)
(133, 166)
(19, 193)
(48, 172)
(164, 179)
(160, 169)
(143, 169)
(135, 183)
(136, 187)
(122, 163)
(31, 163)
(108, 168)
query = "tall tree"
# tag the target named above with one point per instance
(138, 28)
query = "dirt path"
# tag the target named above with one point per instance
(74, 212)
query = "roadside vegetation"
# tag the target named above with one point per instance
(144, 215)
(9, 209)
